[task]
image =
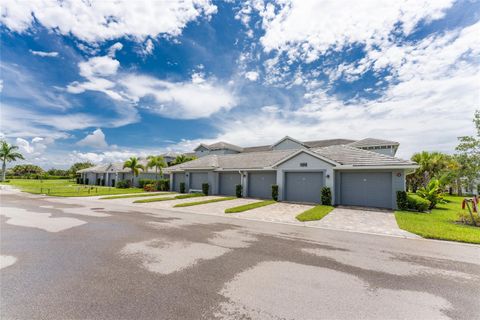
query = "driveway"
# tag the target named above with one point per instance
(69, 258)
(364, 220)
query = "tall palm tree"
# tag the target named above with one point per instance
(133, 165)
(156, 162)
(8, 153)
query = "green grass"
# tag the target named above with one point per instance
(315, 213)
(139, 195)
(182, 196)
(66, 188)
(440, 223)
(188, 204)
(250, 206)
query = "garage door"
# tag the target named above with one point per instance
(260, 184)
(303, 186)
(197, 179)
(177, 179)
(369, 189)
(228, 182)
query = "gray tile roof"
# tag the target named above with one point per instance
(224, 145)
(326, 143)
(116, 167)
(371, 142)
(347, 155)
(248, 160)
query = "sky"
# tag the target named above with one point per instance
(101, 81)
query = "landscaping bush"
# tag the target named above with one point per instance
(86, 181)
(432, 192)
(238, 190)
(326, 196)
(149, 187)
(402, 200)
(465, 217)
(182, 187)
(122, 184)
(205, 188)
(163, 185)
(143, 182)
(275, 192)
(417, 204)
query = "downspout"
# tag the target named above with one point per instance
(242, 182)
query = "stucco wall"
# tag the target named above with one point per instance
(313, 164)
(287, 145)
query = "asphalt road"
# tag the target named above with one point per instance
(89, 259)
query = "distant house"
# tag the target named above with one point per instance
(359, 173)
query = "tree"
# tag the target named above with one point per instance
(156, 162)
(469, 157)
(183, 158)
(133, 165)
(79, 166)
(432, 165)
(26, 169)
(8, 153)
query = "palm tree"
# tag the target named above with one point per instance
(133, 165)
(156, 162)
(183, 158)
(8, 154)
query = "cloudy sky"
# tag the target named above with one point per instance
(104, 80)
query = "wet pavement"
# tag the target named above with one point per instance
(71, 258)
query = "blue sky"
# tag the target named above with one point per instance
(102, 81)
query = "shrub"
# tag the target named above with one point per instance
(402, 200)
(143, 182)
(238, 190)
(432, 192)
(417, 204)
(122, 184)
(182, 187)
(275, 192)
(326, 196)
(149, 187)
(205, 188)
(465, 218)
(163, 185)
(86, 181)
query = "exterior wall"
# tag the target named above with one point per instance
(386, 150)
(313, 164)
(287, 144)
(200, 152)
(212, 179)
(92, 178)
(223, 151)
(398, 183)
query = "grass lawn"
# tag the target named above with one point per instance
(189, 204)
(182, 196)
(440, 223)
(139, 195)
(316, 213)
(250, 206)
(66, 188)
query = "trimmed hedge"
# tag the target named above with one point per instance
(143, 182)
(402, 202)
(122, 184)
(326, 196)
(182, 187)
(238, 190)
(275, 192)
(163, 185)
(417, 204)
(205, 188)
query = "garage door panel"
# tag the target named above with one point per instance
(260, 184)
(228, 182)
(177, 179)
(369, 189)
(197, 179)
(303, 186)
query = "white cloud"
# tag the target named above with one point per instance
(94, 140)
(114, 48)
(308, 29)
(97, 21)
(182, 100)
(52, 54)
(33, 148)
(148, 49)
(252, 75)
